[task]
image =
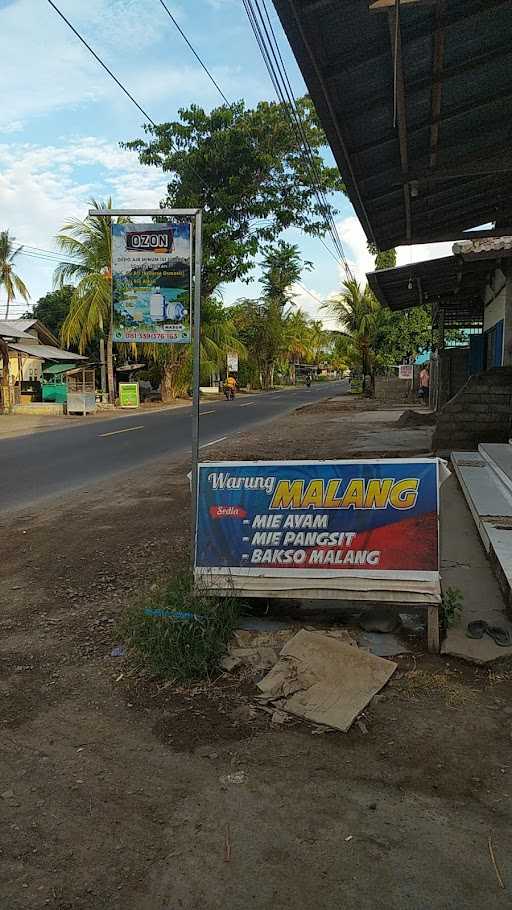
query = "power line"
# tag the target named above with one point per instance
(307, 291)
(196, 55)
(100, 61)
(290, 105)
(114, 77)
(269, 48)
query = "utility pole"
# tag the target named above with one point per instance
(103, 369)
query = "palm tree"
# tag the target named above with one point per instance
(357, 312)
(88, 244)
(13, 285)
(263, 323)
(281, 269)
(218, 338)
(319, 340)
(11, 282)
(296, 339)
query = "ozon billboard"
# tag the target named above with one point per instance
(151, 283)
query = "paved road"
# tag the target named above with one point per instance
(58, 461)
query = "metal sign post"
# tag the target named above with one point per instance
(196, 379)
(195, 216)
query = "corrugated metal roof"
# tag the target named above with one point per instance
(449, 283)
(447, 167)
(23, 324)
(45, 352)
(14, 328)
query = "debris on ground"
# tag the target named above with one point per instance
(118, 651)
(260, 650)
(383, 644)
(236, 777)
(380, 619)
(411, 418)
(324, 679)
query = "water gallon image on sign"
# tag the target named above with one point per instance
(359, 518)
(151, 282)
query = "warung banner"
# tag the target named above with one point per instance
(360, 518)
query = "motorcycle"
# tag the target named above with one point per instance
(229, 393)
(308, 382)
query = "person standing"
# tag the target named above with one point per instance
(424, 384)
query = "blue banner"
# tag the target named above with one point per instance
(359, 517)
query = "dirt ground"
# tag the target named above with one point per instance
(119, 791)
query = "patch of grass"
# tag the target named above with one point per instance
(448, 685)
(188, 644)
(451, 607)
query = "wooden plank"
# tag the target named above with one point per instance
(437, 85)
(433, 629)
(396, 47)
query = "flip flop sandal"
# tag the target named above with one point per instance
(501, 636)
(476, 629)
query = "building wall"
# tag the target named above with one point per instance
(31, 367)
(498, 302)
(480, 412)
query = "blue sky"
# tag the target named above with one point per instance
(62, 118)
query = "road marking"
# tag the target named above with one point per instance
(202, 413)
(115, 432)
(206, 444)
(248, 404)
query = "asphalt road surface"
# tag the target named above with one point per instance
(55, 462)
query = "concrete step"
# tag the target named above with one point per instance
(498, 456)
(490, 502)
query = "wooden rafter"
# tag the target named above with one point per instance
(437, 85)
(396, 48)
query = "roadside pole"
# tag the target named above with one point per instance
(196, 379)
(195, 218)
(103, 369)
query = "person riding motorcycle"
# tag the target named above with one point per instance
(229, 387)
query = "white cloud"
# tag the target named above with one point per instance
(45, 67)
(405, 255)
(310, 300)
(356, 250)
(42, 187)
(361, 261)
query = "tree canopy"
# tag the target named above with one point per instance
(53, 308)
(246, 170)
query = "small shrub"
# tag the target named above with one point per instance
(187, 646)
(451, 607)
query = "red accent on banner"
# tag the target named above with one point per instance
(404, 546)
(227, 512)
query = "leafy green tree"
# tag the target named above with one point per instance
(88, 244)
(244, 168)
(53, 308)
(384, 259)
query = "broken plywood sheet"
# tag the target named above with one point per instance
(261, 650)
(325, 680)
